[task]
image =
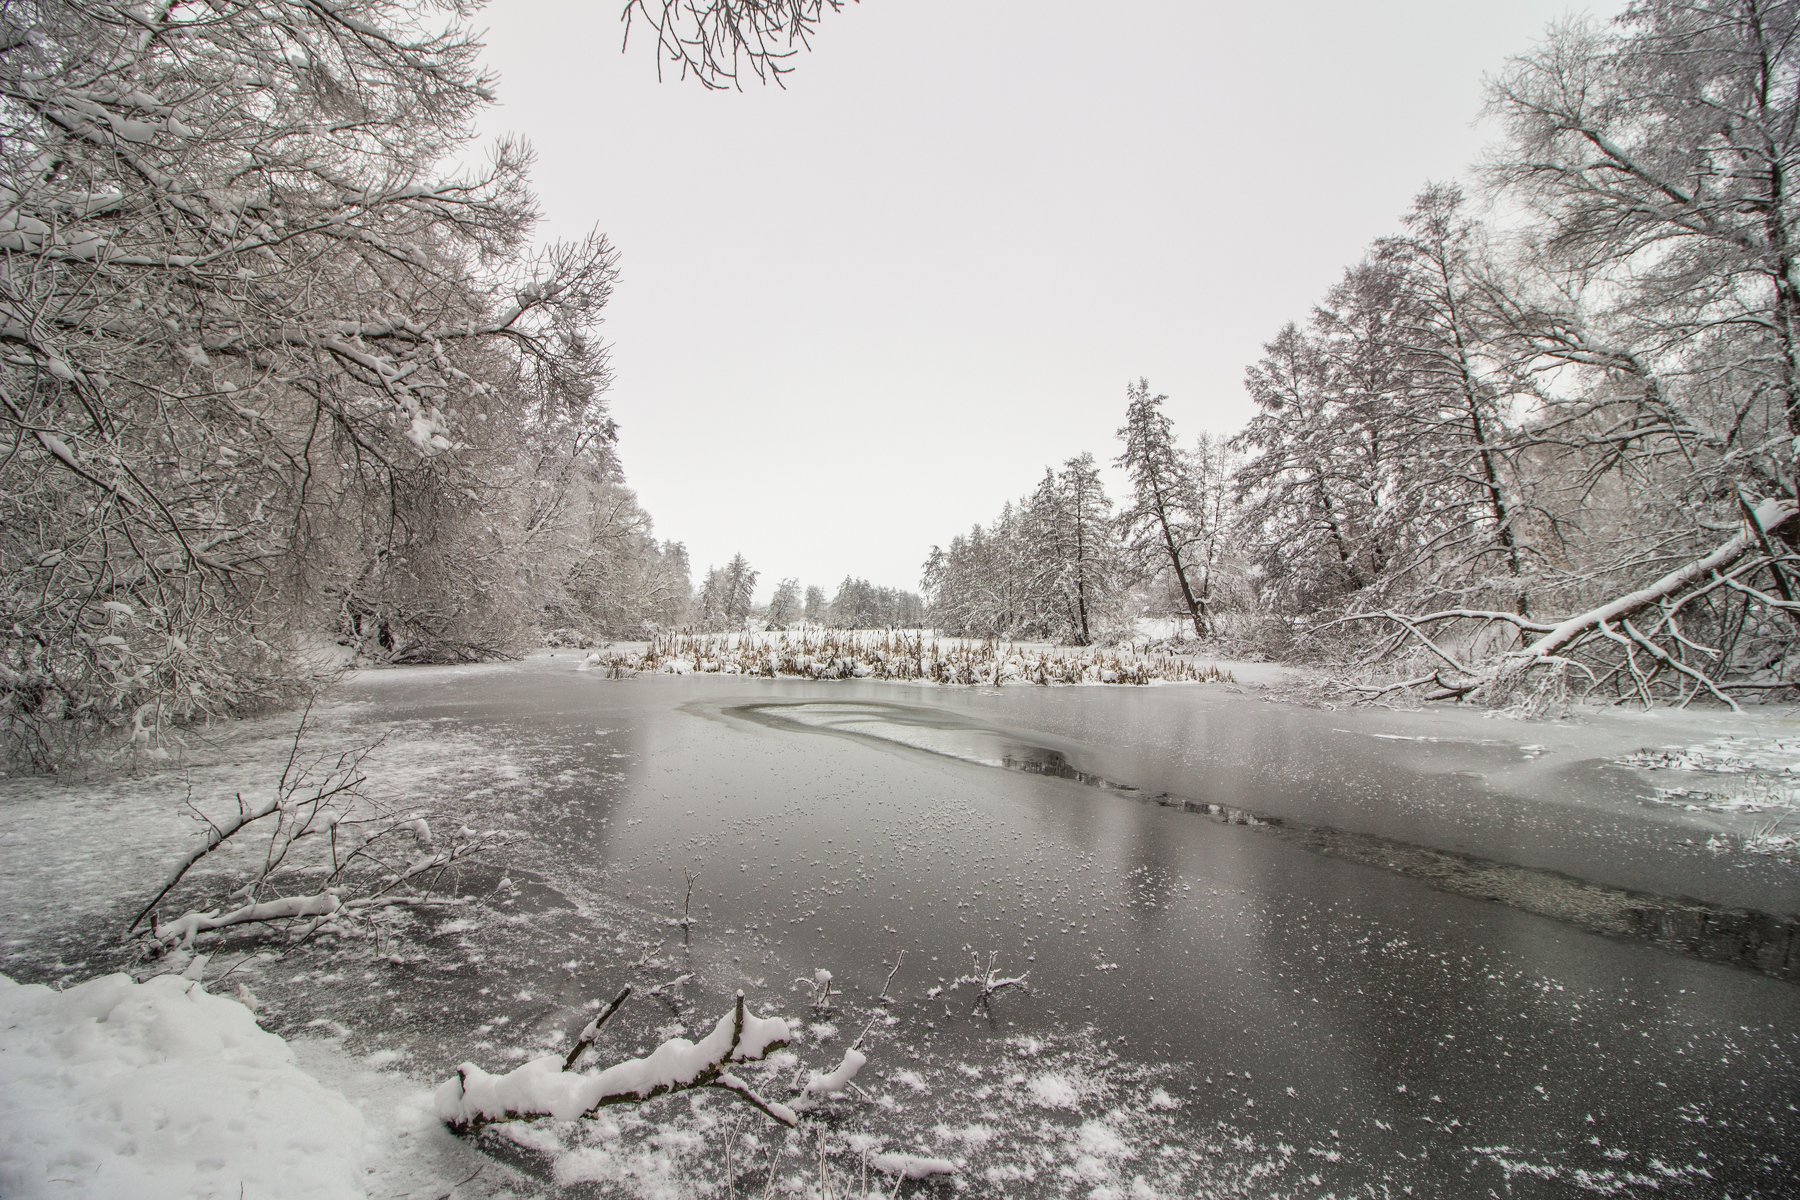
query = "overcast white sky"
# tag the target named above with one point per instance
(858, 315)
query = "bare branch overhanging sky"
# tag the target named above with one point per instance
(860, 314)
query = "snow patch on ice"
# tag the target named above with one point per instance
(1053, 1089)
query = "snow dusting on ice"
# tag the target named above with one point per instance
(1733, 775)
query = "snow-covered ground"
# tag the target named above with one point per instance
(141, 1091)
(170, 1087)
(119, 1090)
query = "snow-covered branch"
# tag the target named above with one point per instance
(987, 980)
(548, 1087)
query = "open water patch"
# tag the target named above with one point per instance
(1764, 942)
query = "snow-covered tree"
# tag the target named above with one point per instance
(980, 584)
(739, 590)
(727, 595)
(709, 601)
(817, 608)
(784, 605)
(1458, 415)
(613, 578)
(860, 604)
(1650, 308)
(261, 356)
(1075, 557)
(1165, 525)
(1303, 487)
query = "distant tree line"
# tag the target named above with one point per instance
(1053, 565)
(727, 601)
(859, 604)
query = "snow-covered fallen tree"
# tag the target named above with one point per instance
(1643, 645)
(320, 854)
(912, 1166)
(552, 1087)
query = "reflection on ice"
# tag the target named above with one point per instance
(1761, 941)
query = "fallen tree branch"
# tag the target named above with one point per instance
(344, 778)
(546, 1087)
(592, 1029)
(338, 822)
(987, 980)
(1769, 515)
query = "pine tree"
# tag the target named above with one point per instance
(737, 591)
(1165, 523)
(817, 609)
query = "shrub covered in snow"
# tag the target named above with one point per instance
(896, 655)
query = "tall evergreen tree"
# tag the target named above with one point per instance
(1165, 522)
(1076, 570)
(817, 608)
(737, 591)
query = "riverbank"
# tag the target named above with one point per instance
(163, 1091)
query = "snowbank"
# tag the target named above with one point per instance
(160, 1089)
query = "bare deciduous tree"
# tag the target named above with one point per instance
(714, 41)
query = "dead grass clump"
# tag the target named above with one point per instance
(901, 655)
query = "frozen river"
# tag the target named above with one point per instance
(1271, 950)
(1296, 1014)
